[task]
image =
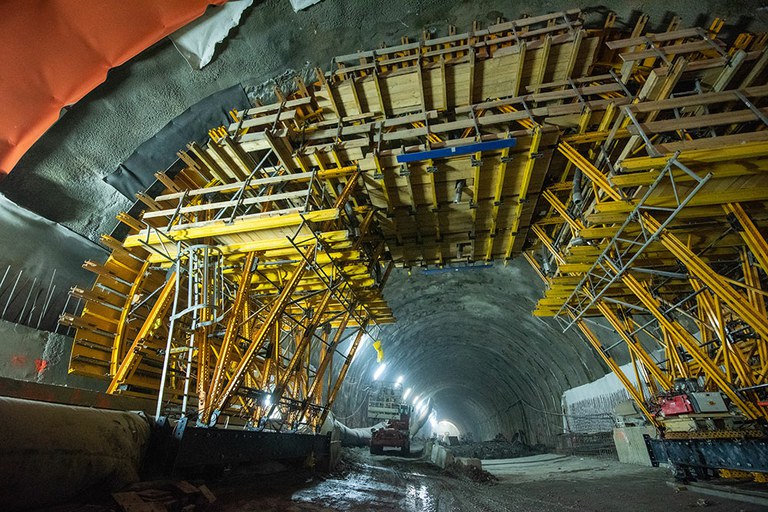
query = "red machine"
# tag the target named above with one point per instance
(396, 433)
(675, 405)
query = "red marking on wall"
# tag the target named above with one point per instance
(41, 365)
(19, 360)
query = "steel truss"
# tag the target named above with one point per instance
(668, 248)
(248, 299)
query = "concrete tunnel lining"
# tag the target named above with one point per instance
(469, 337)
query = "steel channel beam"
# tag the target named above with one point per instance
(204, 447)
(737, 454)
(456, 150)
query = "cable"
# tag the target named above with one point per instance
(523, 402)
(367, 392)
(601, 415)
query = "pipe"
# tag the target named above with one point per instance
(576, 190)
(356, 436)
(460, 184)
(420, 421)
(452, 151)
(546, 266)
(52, 452)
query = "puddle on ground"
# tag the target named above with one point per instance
(418, 498)
(371, 488)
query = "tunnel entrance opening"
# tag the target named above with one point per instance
(445, 428)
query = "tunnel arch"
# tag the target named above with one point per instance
(467, 340)
(446, 426)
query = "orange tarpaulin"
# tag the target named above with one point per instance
(53, 52)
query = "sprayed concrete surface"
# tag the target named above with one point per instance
(372, 483)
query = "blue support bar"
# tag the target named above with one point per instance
(457, 150)
(461, 268)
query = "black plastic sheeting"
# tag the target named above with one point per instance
(35, 280)
(137, 172)
(137, 208)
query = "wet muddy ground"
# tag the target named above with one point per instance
(551, 483)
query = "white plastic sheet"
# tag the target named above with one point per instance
(302, 4)
(197, 41)
(589, 407)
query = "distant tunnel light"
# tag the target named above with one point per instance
(447, 427)
(407, 392)
(379, 371)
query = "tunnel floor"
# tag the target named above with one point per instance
(549, 483)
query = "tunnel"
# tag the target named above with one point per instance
(415, 255)
(465, 340)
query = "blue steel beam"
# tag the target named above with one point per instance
(456, 150)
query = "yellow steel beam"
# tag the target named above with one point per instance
(614, 366)
(719, 170)
(746, 151)
(752, 279)
(301, 347)
(346, 192)
(122, 326)
(232, 328)
(634, 345)
(560, 208)
(691, 345)
(711, 308)
(523, 193)
(316, 388)
(708, 196)
(751, 234)
(592, 172)
(337, 238)
(497, 200)
(548, 243)
(150, 325)
(220, 228)
(276, 310)
(342, 373)
(712, 279)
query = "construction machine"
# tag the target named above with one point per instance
(386, 403)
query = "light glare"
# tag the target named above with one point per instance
(379, 371)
